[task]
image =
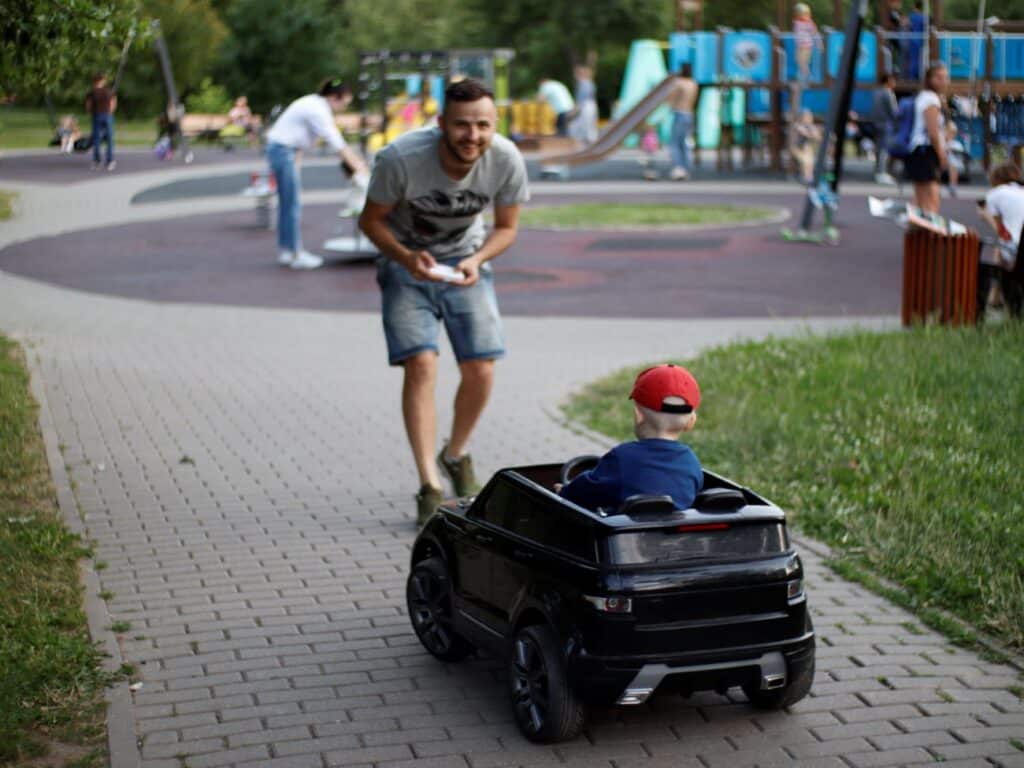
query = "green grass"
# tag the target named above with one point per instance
(606, 216)
(27, 128)
(51, 680)
(6, 203)
(901, 450)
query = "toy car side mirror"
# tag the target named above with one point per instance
(647, 507)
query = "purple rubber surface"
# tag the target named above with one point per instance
(738, 272)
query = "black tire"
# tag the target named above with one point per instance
(780, 698)
(545, 707)
(429, 601)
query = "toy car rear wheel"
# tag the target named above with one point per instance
(797, 686)
(429, 601)
(780, 698)
(545, 707)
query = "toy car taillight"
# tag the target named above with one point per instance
(610, 604)
(703, 527)
(794, 589)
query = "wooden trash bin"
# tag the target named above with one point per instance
(940, 277)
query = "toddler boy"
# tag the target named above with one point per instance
(665, 400)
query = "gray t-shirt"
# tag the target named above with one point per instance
(434, 212)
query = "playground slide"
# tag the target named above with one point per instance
(617, 132)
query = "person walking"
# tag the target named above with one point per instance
(681, 100)
(424, 212)
(928, 149)
(302, 123)
(560, 100)
(101, 102)
(584, 125)
(883, 115)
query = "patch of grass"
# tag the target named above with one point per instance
(29, 128)
(900, 450)
(609, 216)
(51, 679)
(6, 204)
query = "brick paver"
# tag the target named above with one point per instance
(245, 477)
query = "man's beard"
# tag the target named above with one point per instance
(456, 152)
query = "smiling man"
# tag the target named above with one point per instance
(424, 211)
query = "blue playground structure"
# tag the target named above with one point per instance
(988, 66)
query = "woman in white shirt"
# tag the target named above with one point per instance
(1003, 209)
(928, 156)
(305, 120)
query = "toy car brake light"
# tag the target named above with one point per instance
(794, 589)
(701, 527)
(610, 604)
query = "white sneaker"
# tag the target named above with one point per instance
(112, 165)
(285, 258)
(679, 174)
(306, 260)
(884, 178)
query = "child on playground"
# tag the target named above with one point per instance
(68, 133)
(650, 144)
(805, 145)
(665, 400)
(806, 38)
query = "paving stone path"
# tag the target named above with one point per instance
(245, 477)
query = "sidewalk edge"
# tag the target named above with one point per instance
(122, 743)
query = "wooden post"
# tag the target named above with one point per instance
(782, 14)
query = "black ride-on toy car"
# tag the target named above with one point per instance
(606, 607)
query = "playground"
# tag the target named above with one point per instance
(225, 431)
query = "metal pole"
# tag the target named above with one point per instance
(838, 103)
(172, 92)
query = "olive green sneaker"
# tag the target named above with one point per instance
(460, 472)
(427, 502)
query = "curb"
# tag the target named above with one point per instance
(121, 739)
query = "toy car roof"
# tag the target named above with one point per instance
(734, 503)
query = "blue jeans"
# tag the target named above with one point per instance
(103, 130)
(413, 311)
(289, 206)
(682, 127)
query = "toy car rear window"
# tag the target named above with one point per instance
(674, 545)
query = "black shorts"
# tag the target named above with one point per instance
(923, 165)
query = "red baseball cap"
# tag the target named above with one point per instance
(655, 384)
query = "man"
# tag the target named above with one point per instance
(306, 119)
(682, 100)
(424, 213)
(561, 102)
(101, 102)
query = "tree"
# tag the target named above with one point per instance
(279, 51)
(45, 42)
(194, 35)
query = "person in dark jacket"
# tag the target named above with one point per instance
(665, 400)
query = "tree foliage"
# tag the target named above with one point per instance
(45, 42)
(279, 51)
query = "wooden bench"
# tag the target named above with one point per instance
(199, 126)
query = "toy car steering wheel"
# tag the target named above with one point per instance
(573, 467)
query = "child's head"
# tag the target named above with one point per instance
(807, 117)
(665, 400)
(802, 11)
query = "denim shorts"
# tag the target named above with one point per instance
(413, 311)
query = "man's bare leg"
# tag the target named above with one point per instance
(420, 414)
(473, 393)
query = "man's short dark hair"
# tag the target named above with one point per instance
(467, 90)
(334, 87)
(685, 69)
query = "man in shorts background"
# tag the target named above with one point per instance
(427, 194)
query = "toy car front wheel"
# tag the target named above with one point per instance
(428, 598)
(545, 707)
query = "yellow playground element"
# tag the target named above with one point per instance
(405, 114)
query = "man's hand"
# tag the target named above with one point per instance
(419, 263)
(470, 267)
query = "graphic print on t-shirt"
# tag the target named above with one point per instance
(443, 205)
